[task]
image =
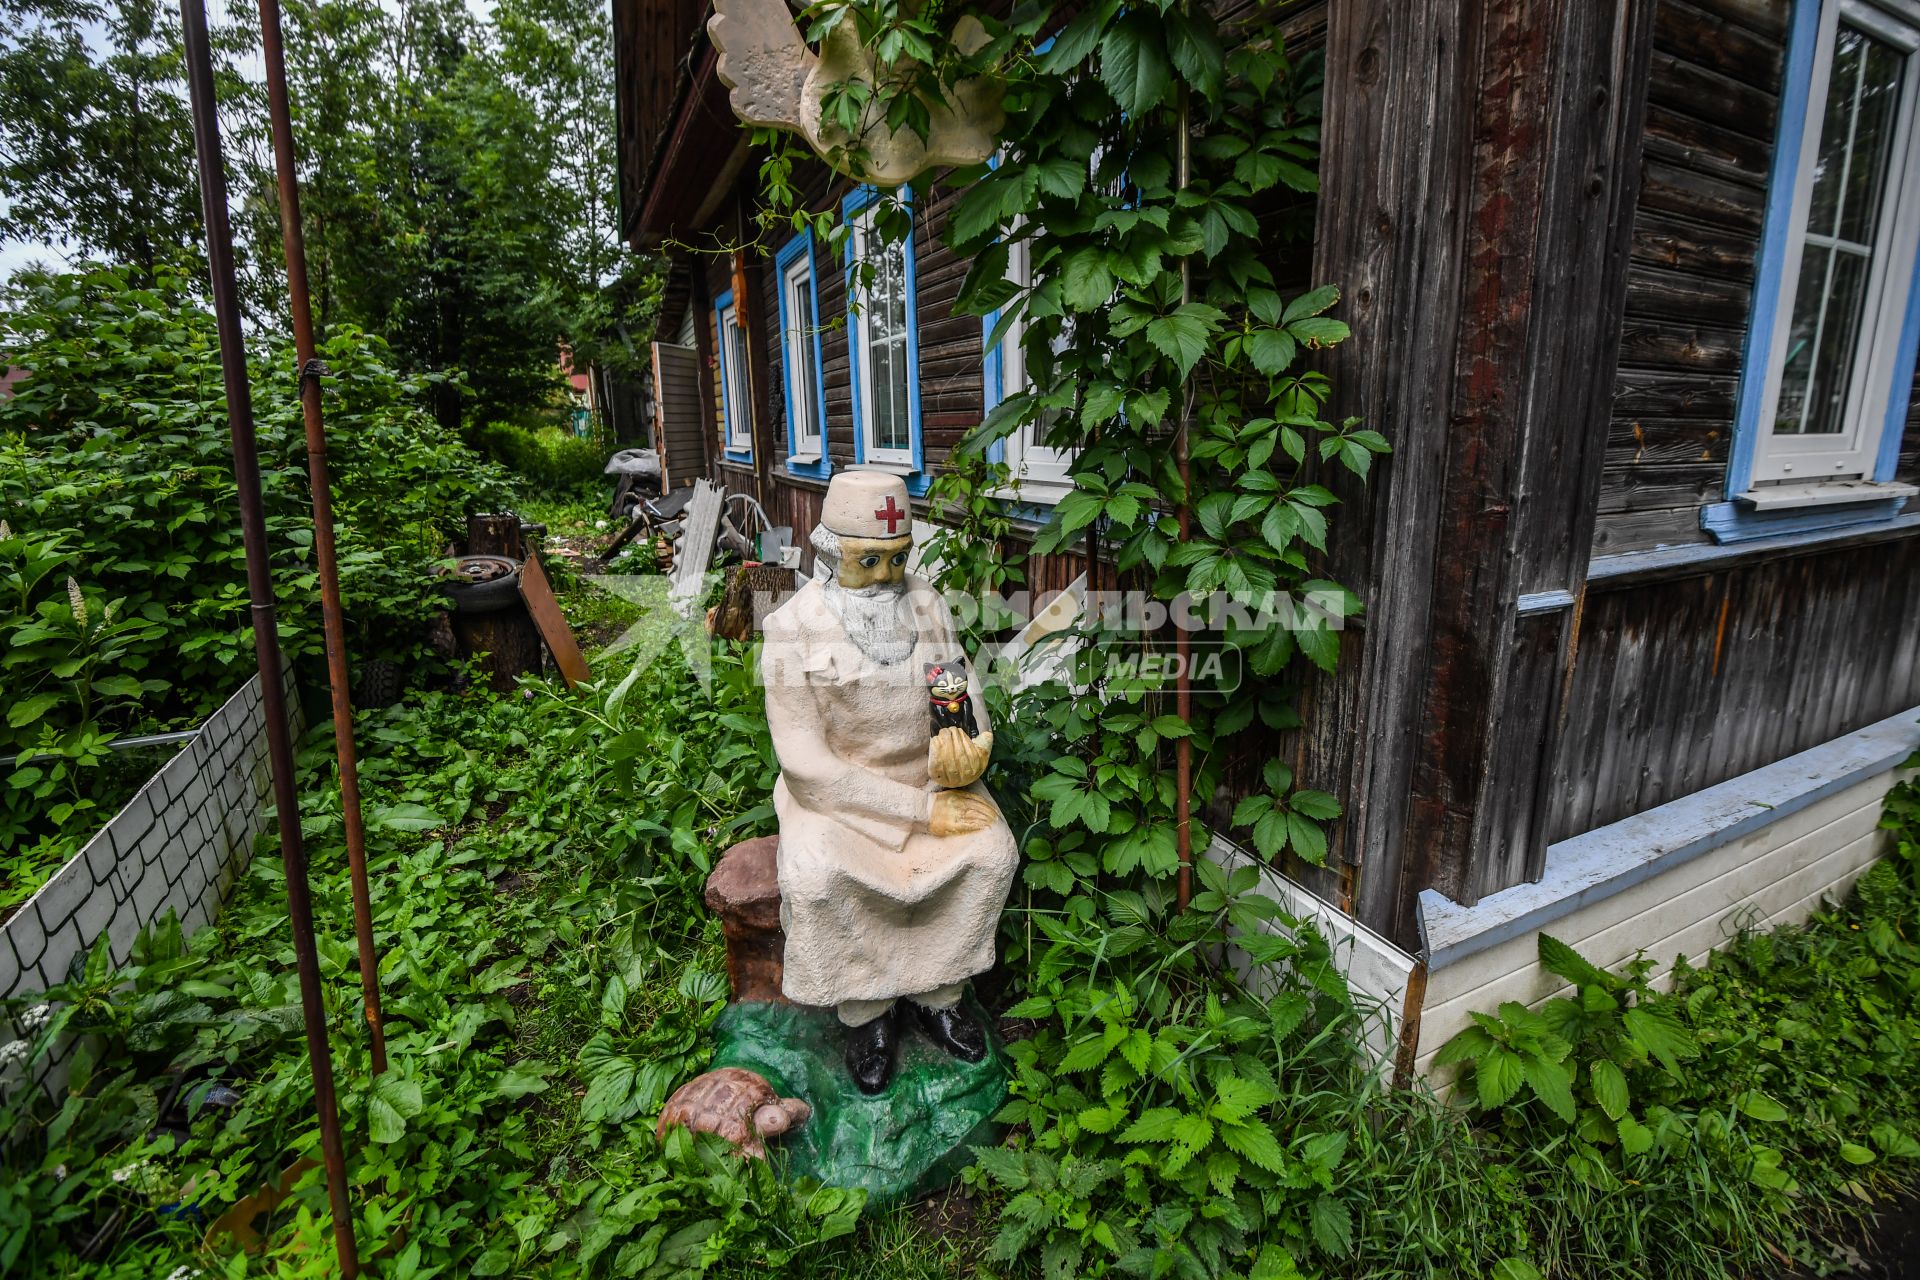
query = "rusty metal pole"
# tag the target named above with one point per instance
(266, 635)
(1182, 643)
(293, 241)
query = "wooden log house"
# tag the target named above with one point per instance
(1635, 290)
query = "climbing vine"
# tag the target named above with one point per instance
(1149, 299)
(1153, 172)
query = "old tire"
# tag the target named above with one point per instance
(379, 684)
(483, 584)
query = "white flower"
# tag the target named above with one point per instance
(6, 530)
(78, 601)
(13, 1051)
(126, 1171)
(35, 1018)
(184, 1273)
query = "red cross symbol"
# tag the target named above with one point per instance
(892, 514)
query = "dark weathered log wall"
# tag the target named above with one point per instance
(951, 370)
(1687, 682)
(1712, 109)
(1484, 170)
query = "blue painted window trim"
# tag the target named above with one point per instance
(727, 451)
(822, 467)
(917, 480)
(993, 389)
(1733, 521)
(993, 383)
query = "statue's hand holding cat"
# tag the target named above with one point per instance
(956, 760)
(956, 813)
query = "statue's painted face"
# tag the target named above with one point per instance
(870, 562)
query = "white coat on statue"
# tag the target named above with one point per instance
(875, 906)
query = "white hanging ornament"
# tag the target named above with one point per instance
(776, 81)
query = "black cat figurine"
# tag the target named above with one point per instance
(947, 695)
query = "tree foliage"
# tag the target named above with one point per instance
(97, 145)
(456, 173)
(122, 579)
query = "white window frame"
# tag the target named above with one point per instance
(902, 459)
(1036, 472)
(735, 409)
(1802, 469)
(803, 374)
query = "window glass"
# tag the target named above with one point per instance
(803, 373)
(1850, 176)
(885, 308)
(733, 380)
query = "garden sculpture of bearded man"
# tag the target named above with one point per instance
(893, 862)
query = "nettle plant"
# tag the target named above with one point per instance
(1149, 166)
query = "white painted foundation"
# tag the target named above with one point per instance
(1757, 851)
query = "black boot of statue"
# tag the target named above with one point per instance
(870, 1053)
(953, 1030)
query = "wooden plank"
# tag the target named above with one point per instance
(1703, 197)
(537, 592)
(1732, 104)
(1396, 143)
(1767, 17)
(1656, 488)
(1681, 346)
(1557, 182)
(1694, 299)
(693, 549)
(1685, 31)
(1660, 240)
(1685, 683)
(1617, 533)
(1633, 441)
(1694, 144)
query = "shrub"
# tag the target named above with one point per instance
(553, 459)
(122, 573)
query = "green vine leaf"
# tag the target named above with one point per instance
(1134, 65)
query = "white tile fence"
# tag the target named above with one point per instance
(176, 846)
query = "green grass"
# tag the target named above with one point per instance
(550, 974)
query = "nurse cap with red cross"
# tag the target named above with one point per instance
(867, 504)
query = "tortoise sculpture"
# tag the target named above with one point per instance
(737, 1104)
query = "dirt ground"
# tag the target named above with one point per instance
(1889, 1249)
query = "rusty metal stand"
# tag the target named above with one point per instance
(293, 241)
(266, 635)
(1183, 644)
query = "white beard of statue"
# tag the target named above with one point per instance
(876, 618)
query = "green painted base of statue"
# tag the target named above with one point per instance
(912, 1138)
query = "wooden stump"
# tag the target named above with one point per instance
(751, 588)
(744, 891)
(509, 638)
(496, 535)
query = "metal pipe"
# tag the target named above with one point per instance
(120, 744)
(266, 636)
(1182, 643)
(293, 241)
